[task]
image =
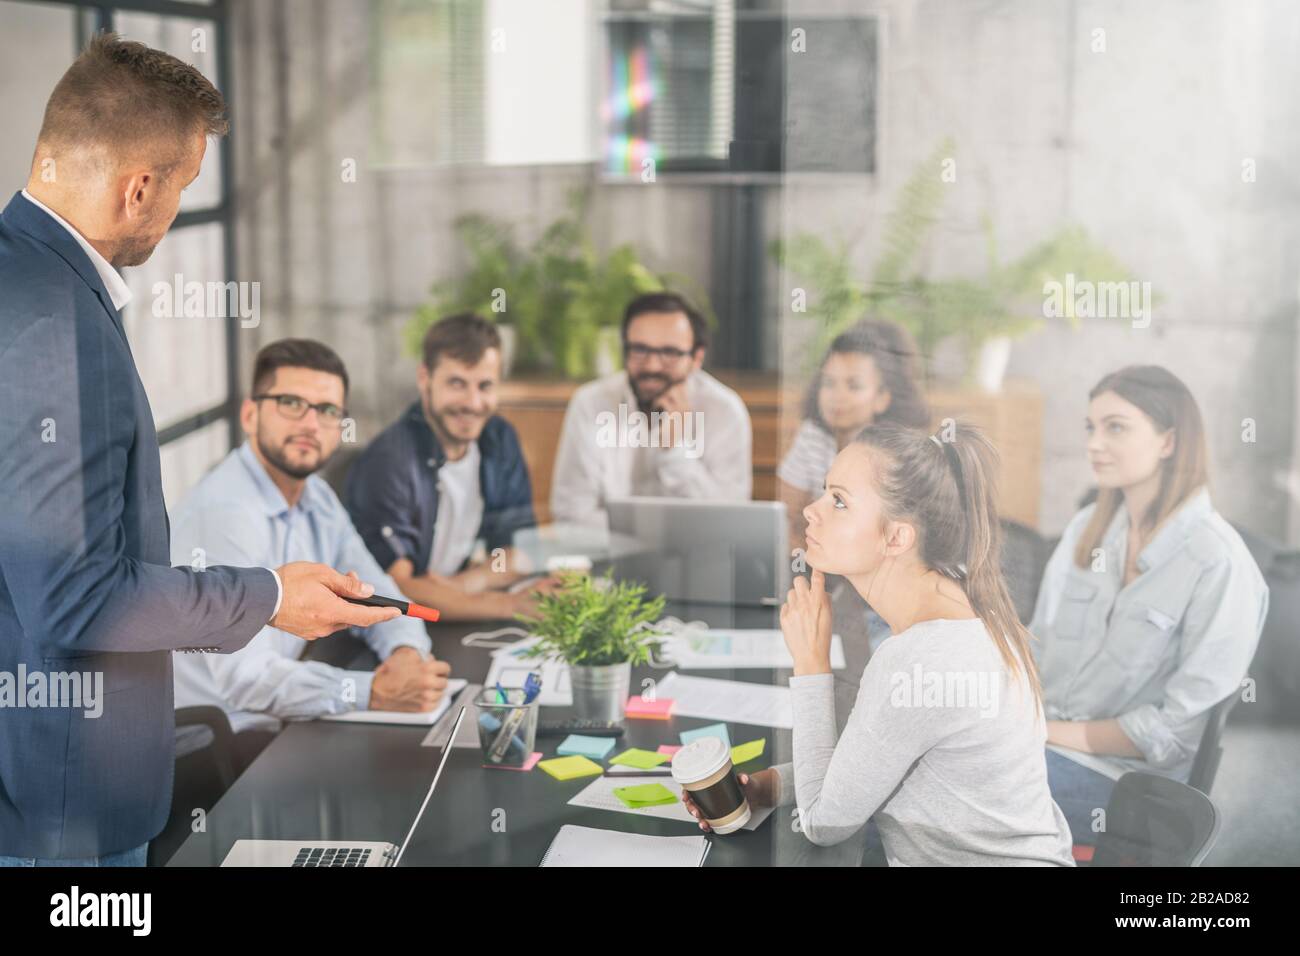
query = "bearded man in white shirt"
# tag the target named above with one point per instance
(661, 427)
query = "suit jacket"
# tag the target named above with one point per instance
(85, 583)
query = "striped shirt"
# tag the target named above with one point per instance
(809, 459)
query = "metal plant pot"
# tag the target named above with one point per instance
(600, 693)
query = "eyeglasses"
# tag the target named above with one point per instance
(295, 407)
(636, 352)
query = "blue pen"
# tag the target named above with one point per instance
(532, 687)
(501, 694)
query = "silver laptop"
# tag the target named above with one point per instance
(706, 552)
(317, 853)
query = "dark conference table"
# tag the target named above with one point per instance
(321, 780)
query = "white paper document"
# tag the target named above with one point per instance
(589, 846)
(730, 701)
(423, 718)
(710, 650)
(511, 670)
(599, 795)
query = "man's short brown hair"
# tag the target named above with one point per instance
(464, 336)
(295, 353)
(122, 94)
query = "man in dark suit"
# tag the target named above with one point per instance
(87, 599)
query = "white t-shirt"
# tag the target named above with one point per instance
(809, 459)
(460, 512)
(595, 462)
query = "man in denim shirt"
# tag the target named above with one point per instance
(447, 475)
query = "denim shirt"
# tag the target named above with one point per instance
(392, 489)
(1159, 653)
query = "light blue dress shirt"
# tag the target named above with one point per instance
(1158, 653)
(237, 516)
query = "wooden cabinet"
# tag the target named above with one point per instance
(1012, 419)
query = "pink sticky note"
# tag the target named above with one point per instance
(529, 764)
(660, 709)
(669, 749)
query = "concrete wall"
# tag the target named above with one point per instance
(348, 262)
(1142, 145)
(28, 71)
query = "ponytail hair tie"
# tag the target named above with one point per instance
(954, 462)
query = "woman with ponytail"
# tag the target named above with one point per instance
(944, 747)
(1150, 608)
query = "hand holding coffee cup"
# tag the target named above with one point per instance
(711, 789)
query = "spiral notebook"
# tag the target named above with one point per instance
(588, 846)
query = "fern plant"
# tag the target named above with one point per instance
(590, 622)
(1007, 300)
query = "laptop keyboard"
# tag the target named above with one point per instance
(331, 856)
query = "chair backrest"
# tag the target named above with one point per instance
(1276, 666)
(207, 728)
(340, 466)
(1024, 555)
(1210, 751)
(1155, 821)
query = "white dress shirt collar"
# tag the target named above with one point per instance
(113, 281)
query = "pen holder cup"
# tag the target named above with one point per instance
(506, 732)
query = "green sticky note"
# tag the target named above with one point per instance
(641, 759)
(567, 768)
(645, 795)
(743, 752)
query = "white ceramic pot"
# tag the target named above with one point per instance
(991, 364)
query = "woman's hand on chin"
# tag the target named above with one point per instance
(806, 625)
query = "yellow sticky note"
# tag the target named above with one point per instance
(641, 759)
(743, 752)
(567, 768)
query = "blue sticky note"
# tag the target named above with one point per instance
(713, 730)
(576, 745)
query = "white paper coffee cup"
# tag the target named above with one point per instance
(703, 769)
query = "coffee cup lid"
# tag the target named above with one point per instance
(699, 759)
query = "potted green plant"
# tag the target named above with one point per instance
(559, 302)
(600, 628)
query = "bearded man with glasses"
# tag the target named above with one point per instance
(265, 502)
(661, 427)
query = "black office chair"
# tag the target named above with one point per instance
(1155, 821)
(1024, 557)
(204, 770)
(339, 467)
(1210, 751)
(1276, 667)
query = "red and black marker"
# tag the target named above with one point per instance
(409, 608)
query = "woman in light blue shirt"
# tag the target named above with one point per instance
(1151, 606)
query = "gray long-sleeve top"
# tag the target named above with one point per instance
(944, 747)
